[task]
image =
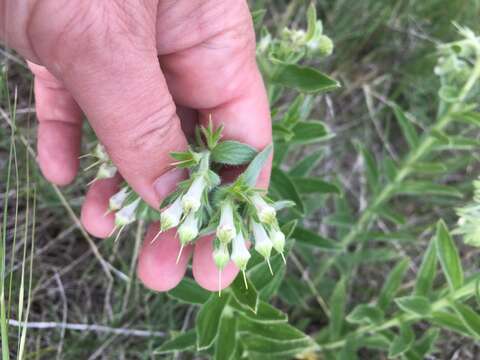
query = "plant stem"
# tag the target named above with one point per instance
(369, 214)
(464, 292)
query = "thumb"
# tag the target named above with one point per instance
(121, 89)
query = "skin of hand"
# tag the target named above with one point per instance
(142, 71)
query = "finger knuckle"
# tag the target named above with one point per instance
(160, 126)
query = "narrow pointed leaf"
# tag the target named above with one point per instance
(225, 345)
(180, 342)
(310, 238)
(231, 152)
(337, 309)
(208, 320)
(253, 170)
(189, 291)
(417, 305)
(402, 342)
(392, 284)
(448, 256)
(246, 297)
(315, 186)
(304, 79)
(469, 317)
(305, 165)
(427, 272)
(407, 127)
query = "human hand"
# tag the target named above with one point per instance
(143, 72)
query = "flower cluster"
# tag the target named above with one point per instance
(455, 64)
(237, 213)
(295, 43)
(469, 219)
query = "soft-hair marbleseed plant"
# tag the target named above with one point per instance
(237, 212)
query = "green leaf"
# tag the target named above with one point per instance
(306, 165)
(440, 136)
(449, 321)
(425, 345)
(470, 117)
(424, 188)
(407, 128)
(311, 22)
(309, 132)
(310, 238)
(430, 167)
(246, 297)
(180, 342)
(448, 256)
(266, 313)
(283, 185)
(250, 175)
(257, 17)
(402, 342)
(390, 168)
(469, 318)
(417, 305)
(373, 176)
(390, 215)
(273, 338)
(293, 114)
(427, 272)
(376, 342)
(226, 342)
(315, 186)
(366, 314)
(337, 309)
(392, 284)
(208, 319)
(231, 152)
(189, 291)
(303, 79)
(288, 228)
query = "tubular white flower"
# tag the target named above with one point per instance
(192, 200)
(266, 213)
(226, 228)
(221, 256)
(278, 240)
(101, 153)
(263, 244)
(106, 171)
(170, 217)
(188, 231)
(116, 201)
(240, 253)
(126, 215)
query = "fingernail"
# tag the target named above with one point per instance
(167, 182)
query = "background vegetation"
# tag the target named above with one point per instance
(373, 272)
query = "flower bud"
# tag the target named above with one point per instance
(188, 231)
(321, 45)
(226, 228)
(266, 213)
(116, 201)
(106, 171)
(170, 217)
(221, 256)
(100, 153)
(191, 201)
(126, 215)
(263, 244)
(240, 253)
(278, 240)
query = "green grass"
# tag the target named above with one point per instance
(53, 272)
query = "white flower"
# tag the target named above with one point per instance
(226, 228)
(266, 213)
(240, 253)
(263, 244)
(278, 240)
(106, 170)
(126, 215)
(101, 153)
(191, 201)
(170, 217)
(221, 256)
(189, 229)
(116, 201)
